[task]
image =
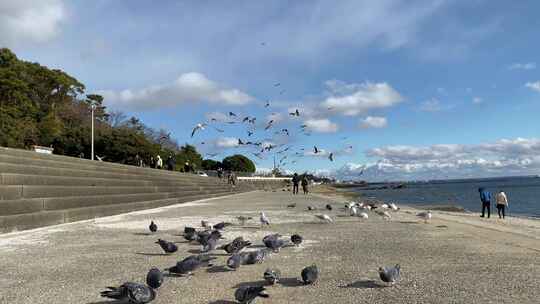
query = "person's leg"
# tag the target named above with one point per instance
(503, 208)
(483, 209)
(489, 209)
(499, 208)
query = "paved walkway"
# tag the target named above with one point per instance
(445, 261)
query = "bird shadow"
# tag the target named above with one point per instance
(216, 269)
(441, 226)
(140, 233)
(111, 302)
(195, 251)
(222, 302)
(290, 282)
(251, 283)
(367, 284)
(408, 222)
(151, 254)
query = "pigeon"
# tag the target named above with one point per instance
(131, 292)
(210, 244)
(325, 217)
(310, 208)
(234, 261)
(269, 125)
(204, 236)
(394, 207)
(205, 224)
(248, 294)
(198, 127)
(315, 150)
(152, 227)
(264, 220)
(385, 206)
(267, 104)
(154, 278)
(236, 245)
(296, 239)
(273, 242)
(390, 274)
(292, 205)
(331, 156)
(328, 207)
(232, 114)
(353, 211)
(188, 229)
(254, 257)
(168, 247)
(190, 264)
(243, 219)
(221, 226)
(272, 276)
(249, 133)
(310, 274)
(364, 215)
(425, 216)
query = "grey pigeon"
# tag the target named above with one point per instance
(248, 294)
(204, 236)
(254, 257)
(191, 235)
(272, 276)
(154, 278)
(329, 207)
(310, 274)
(234, 261)
(210, 244)
(296, 239)
(390, 274)
(168, 247)
(188, 229)
(135, 293)
(273, 242)
(190, 264)
(236, 245)
(152, 227)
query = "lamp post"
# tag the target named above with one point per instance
(93, 107)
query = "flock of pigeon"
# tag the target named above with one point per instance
(208, 237)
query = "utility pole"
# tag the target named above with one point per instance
(93, 106)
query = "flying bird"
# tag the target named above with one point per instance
(249, 133)
(295, 113)
(390, 274)
(267, 104)
(232, 114)
(245, 119)
(269, 125)
(277, 84)
(199, 126)
(315, 149)
(331, 156)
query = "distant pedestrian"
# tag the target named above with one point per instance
(485, 197)
(502, 202)
(170, 163)
(186, 167)
(159, 162)
(295, 181)
(232, 178)
(305, 185)
(152, 162)
(220, 173)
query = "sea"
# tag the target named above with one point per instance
(523, 193)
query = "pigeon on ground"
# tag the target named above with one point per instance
(310, 274)
(272, 276)
(310, 208)
(264, 220)
(243, 219)
(254, 257)
(364, 215)
(152, 227)
(325, 217)
(236, 245)
(131, 292)
(390, 274)
(293, 205)
(234, 261)
(190, 264)
(204, 236)
(190, 234)
(426, 216)
(248, 294)
(296, 239)
(273, 242)
(188, 229)
(210, 245)
(328, 207)
(154, 278)
(168, 247)
(353, 211)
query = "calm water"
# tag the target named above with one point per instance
(523, 194)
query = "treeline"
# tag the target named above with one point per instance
(48, 107)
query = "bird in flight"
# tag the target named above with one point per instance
(232, 114)
(269, 125)
(295, 113)
(199, 126)
(267, 104)
(315, 150)
(331, 157)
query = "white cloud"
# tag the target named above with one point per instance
(321, 125)
(373, 122)
(226, 142)
(217, 116)
(535, 86)
(30, 20)
(522, 66)
(189, 87)
(477, 100)
(354, 99)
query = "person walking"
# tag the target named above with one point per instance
(485, 197)
(295, 181)
(502, 202)
(159, 162)
(305, 184)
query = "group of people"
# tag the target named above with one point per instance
(157, 163)
(296, 180)
(501, 202)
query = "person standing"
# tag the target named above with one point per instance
(485, 197)
(305, 184)
(159, 162)
(170, 163)
(502, 202)
(295, 181)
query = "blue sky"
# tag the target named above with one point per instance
(420, 89)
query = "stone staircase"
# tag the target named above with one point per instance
(38, 189)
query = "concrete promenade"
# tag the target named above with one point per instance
(453, 259)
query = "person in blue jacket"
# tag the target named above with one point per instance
(485, 197)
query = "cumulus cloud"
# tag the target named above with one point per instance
(505, 157)
(522, 66)
(226, 142)
(535, 86)
(321, 125)
(373, 122)
(354, 99)
(30, 20)
(189, 87)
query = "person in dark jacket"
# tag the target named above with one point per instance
(485, 198)
(295, 181)
(170, 163)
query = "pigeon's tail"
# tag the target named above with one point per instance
(112, 293)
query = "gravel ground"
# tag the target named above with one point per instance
(453, 259)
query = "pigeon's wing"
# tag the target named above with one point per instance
(193, 132)
(141, 294)
(118, 293)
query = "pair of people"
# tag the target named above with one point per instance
(296, 180)
(501, 202)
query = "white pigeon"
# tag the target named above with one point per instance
(349, 205)
(264, 219)
(353, 211)
(364, 215)
(394, 207)
(325, 217)
(199, 126)
(425, 216)
(385, 206)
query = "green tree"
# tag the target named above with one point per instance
(238, 163)
(210, 164)
(188, 153)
